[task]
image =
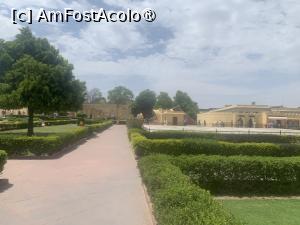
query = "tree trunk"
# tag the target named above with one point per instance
(30, 122)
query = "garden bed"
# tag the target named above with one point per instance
(47, 140)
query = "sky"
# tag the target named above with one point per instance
(219, 52)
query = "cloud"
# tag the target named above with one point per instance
(221, 52)
(8, 30)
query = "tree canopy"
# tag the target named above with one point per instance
(164, 101)
(34, 75)
(144, 103)
(185, 102)
(120, 95)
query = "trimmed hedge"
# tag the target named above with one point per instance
(144, 146)
(3, 157)
(177, 201)
(237, 138)
(242, 175)
(17, 145)
(24, 124)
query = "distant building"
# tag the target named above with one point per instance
(173, 116)
(106, 110)
(13, 112)
(260, 116)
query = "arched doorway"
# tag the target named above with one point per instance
(240, 122)
(250, 123)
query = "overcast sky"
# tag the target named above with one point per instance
(220, 52)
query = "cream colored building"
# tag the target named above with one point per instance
(13, 112)
(260, 116)
(106, 110)
(169, 117)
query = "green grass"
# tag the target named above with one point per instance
(44, 131)
(265, 211)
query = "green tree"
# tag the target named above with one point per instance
(95, 96)
(39, 79)
(120, 95)
(184, 101)
(164, 101)
(144, 103)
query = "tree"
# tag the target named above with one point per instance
(120, 95)
(39, 79)
(94, 96)
(164, 101)
(184, 101)
(144, 103)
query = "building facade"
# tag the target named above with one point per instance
(259, 116)
(13, 112)
(106, 111)
(169, 117)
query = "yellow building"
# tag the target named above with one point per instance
(169, 117)
(106, 110)
(260, 116)
(13, 112)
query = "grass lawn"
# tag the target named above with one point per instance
(44, 131)
(265, 212)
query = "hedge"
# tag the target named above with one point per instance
(23, 125)
(238, 138)
(3, 157)
(243, 175)
(17, 145)
(144, 146)
(176, 200)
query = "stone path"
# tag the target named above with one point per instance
(95, 184)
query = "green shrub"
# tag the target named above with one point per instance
(176, 200)
(242, 174)
(3, 157)
(237, 138)
(144, 146)
(134, 123)
(17, 145)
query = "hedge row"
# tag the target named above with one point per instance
(144, 146)
(237, 138)
(21, 145)
(3, 157)
(176, 200)
(242, 175)
(24, 124)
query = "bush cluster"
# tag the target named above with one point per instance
(242, 174)
(237, 138)
(16, 145)
(177, 201)
(3, 157)
(192, 146)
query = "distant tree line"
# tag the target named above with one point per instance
(145, 101)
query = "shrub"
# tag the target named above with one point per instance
(176, 200)
(3, 157)
(238, 138)
(243, 174)
(134, 123)
(16, 145)
(144, 146)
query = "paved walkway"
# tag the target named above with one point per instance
(96, 184)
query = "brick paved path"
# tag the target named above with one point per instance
(96, 184)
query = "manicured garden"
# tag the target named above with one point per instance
(47, 140)
(183, 170)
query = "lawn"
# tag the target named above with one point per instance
(265, 212)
